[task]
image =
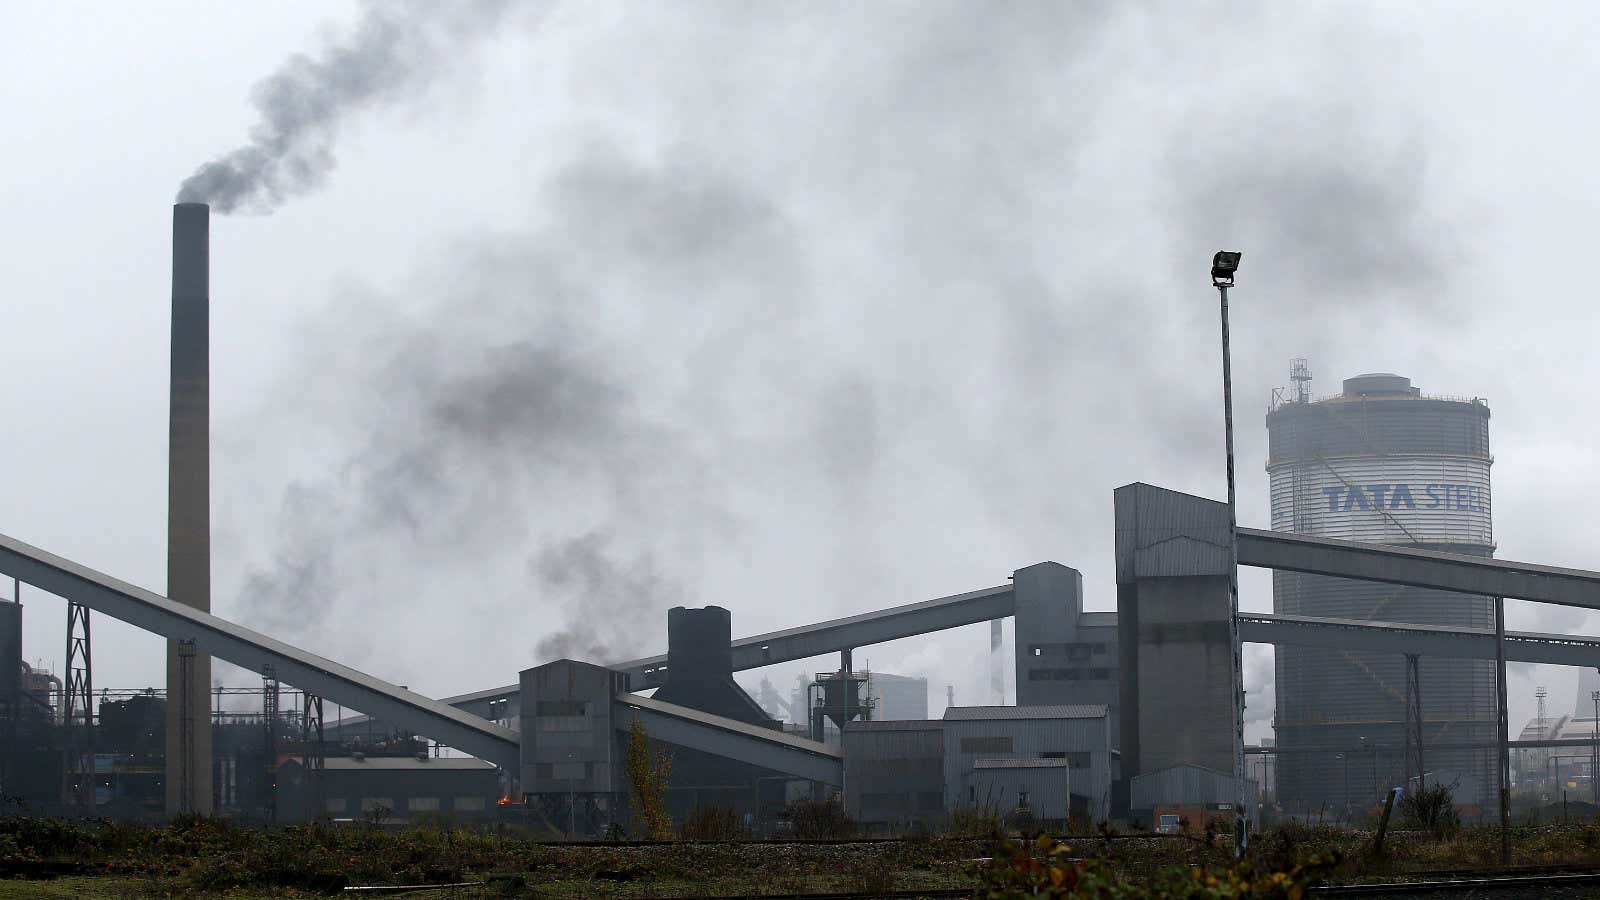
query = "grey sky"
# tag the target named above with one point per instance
(799, 309)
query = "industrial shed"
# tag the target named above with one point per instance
(1007, 785)
(392, 788)
(894, 774)
(1078, 734)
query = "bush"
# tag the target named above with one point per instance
(713, 823)
(819, 819)
(1431, 809)
(976, 822)
(1045, 868)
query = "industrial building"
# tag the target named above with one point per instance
(1382, 552)
(1383, 463)
(395, 790)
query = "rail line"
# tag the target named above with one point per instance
(1468, 886)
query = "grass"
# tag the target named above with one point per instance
(201, 858)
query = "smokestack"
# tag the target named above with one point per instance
(188, 766)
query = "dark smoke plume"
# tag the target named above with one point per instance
(395, 49)
(608, 602)
(826, 337)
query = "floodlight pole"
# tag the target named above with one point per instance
(1503, 735)
(1241, 823)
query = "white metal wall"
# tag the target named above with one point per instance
(1400, 499)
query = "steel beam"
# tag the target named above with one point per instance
(1427, 640)
(1458, 572)
(257, 652)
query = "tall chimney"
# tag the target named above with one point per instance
(188, 764)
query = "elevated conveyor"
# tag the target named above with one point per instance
(255, 651)
(1432, 641)
(730, 738)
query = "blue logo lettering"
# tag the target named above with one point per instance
(1332, 494)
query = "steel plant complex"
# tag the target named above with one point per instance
(1384, 616)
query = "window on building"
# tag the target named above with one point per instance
(1022, 798)
(1037, 651)
(972, 794)
(368, 804)
(335, 806)
(1078, 760)
(469, 804)
(987, 744)
(1099, 649)
(423, 804)
(562, 708)
(1053, 754)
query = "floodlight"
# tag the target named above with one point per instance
(1223, 265)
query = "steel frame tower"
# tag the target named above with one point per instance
(78, 711)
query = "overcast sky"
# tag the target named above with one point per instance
(569, 313)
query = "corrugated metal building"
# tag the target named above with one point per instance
(894, 774)
(1042, 785)
(393, 789)
(897, 698)
(1078, 734)
(1380, 463)
(1064, 655)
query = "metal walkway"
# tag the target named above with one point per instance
(730, 738)
(255, 651)
(1427, 640)
(1482, 575)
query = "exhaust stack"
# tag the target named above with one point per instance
(188, 764)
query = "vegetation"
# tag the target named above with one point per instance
(1045, 868)
(648, 769)
(976, 822)
(713, 823)
(819, 819)
(1431, 809)
(86, 861)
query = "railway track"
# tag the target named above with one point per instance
(1543, 885)
(1561, 884)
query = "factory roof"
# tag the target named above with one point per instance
(407, 763)
(1065, 711)
(896, 725)
(989, 763)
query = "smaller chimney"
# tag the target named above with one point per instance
(700, 666)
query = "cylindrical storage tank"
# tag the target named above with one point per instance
(1382, 463)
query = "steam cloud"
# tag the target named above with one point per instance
(395, 49)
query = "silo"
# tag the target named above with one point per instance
(1385, 463)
